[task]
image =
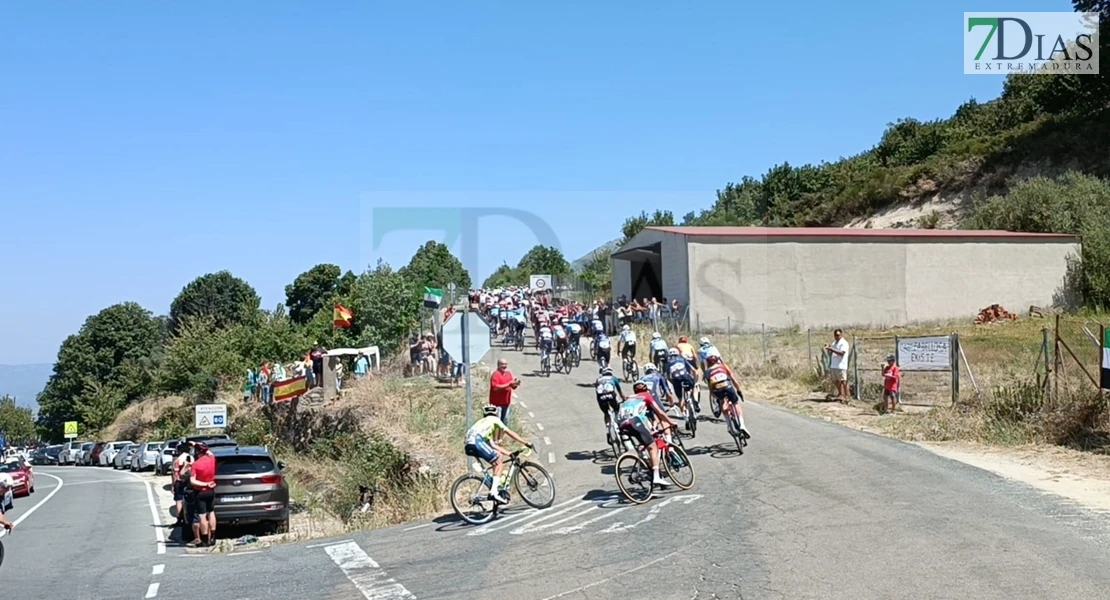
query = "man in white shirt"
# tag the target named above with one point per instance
(838, 364)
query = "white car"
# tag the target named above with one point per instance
(164, 464)
(122, 459)
(82, 450)
(108, 454)
(68, 453)
(147, 456)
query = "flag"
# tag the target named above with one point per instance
(1106, 359)
(433, 297)
(342, 316)
(289, 389)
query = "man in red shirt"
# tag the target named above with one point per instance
(501, 386)
(203, 480)
(892, 377)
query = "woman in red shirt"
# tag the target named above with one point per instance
(203, 480)
(892, 377)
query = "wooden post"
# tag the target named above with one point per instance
(854, 357)
(1047, 366)
(954, 351)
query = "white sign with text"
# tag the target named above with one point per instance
(211, 416)
(925, 353)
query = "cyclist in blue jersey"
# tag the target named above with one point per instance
(705, 350)
(604, 349)
(657, 385)
(607, 388)
(658, 349)
(682, 375)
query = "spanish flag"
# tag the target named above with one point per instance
(342, 316)
(290, 388)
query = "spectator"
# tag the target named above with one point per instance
(892, 378)
(181, 470)
(264, 379)
(429, 353)
(338, 377)
(416, 347)
(362, 365)
(501, 386)
(838, 364)
(203, 481)
(317, 354)
(248, 389)
(298, 369)
(279, 372)
(676, 313)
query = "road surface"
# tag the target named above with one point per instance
(811, 510)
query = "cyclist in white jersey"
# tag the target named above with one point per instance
(627, 343)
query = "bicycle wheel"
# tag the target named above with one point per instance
(678, 467)
(614, 440)
(734, 430)
(634, 478)
(535, 478)
(470, 499)
(568, 364)
(691, 416)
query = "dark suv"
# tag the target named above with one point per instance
(250, 488)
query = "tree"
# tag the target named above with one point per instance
(316, 290)
(597, 272)
(386, 307)
(113, 355)
(543, 260)
(16, 422)
(634, 225)
(505, 276)
(434, 266)
(222, 296)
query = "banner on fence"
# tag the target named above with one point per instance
(925, 353)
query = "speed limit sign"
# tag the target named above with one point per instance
(540, 282)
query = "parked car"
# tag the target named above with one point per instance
(54, 454)
(66, 456)
(212, 441)
(250, 487)
(146, 456)
(38, 457)
(108, 455)
(122, 459)
(166, 455)
(82, 455)
(22, 474)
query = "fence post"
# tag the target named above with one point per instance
(763, 328)
(954, 350)
(728, 333)
(854, 357)
(1047, 366)
(809, 348)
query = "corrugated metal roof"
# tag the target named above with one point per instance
(764, 232)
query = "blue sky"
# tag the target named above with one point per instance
(146, 143)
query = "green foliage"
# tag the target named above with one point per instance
(634, 225)
(222, 296)
(109, 362)
(434, 266)
(386, 308)
(598, 274)
(366, 460)
(16, 422)
(200, 357)
(1073, 203)
(506, 276)
(316, 290)
(543, 260)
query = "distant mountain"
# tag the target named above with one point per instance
(606, 248)
(24, 382)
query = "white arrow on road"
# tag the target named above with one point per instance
(654, 512)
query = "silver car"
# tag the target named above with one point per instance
(122, 460)
(79, 456)
(146, 456)
(108, 454)
(68, 454)
(164, 463)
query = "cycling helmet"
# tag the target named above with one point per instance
(490, 410)
(712, 360)
(649, 368)
(6, 481)
(703, 342)
(673, 352)
(639, 386)
(655, 335)
(606, 371)
(682, 339)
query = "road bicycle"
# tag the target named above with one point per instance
(613, 435)
(565, 361)
(692, 409)
(631, 369)
(634, 474)
(518, 342)
(732, 420)
(476, 507)
(559, 362)
(576, 353)
(545, 363)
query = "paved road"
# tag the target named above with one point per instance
(812, 510)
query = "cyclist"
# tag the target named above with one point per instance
(546, 341)
(479, 444)
(603, 349)
(725, 389)
(635, 420)
(686, 349)
(608, 388)
(574, 329)
(657, 385)
(519, 323)
(560, 334)
(658, 349)
(598, 326)
(626, 346)
(682, 375)
(705, 350)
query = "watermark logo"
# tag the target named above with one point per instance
(1050, 43)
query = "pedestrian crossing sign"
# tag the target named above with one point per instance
(71, 429)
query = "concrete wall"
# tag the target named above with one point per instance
(819, 282)
(622, 278)
(676, 268)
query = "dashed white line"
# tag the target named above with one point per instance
(244, 553)
(418, 527)
(550, 458)
(532, 415)
(547, 440)
(329, 544)
(152, 591)
(159, 569)
(365, 574)
(538, 426)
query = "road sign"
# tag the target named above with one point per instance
(539, 283)
(211, 416)
(71, 429)
(451, 287)
(477, 336)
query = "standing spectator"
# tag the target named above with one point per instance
(338, 377)
(416, 347)
(892, 379)
(181, 470)
(203, 480)
(428, 354)
(264, 376)
(362, 364)
(318, 353)
(278, 373)
(676, 313)
(501, 386)
(248, 388)
(838, 364)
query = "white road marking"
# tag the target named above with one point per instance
(522, 405)
(608, 579)
(31, 510)
(547, 440)
(538, 426)
(532, 526)
(532, 415)
(550, 458)
(515, 519)
(99, 481)
(159, 569)
(418, 527)
(152, 591)
(159, 535)
(579, 527)
(329, 544)
(367, 575)
(654, 512)
(244, 553)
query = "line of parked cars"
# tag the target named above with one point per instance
(123, 454)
